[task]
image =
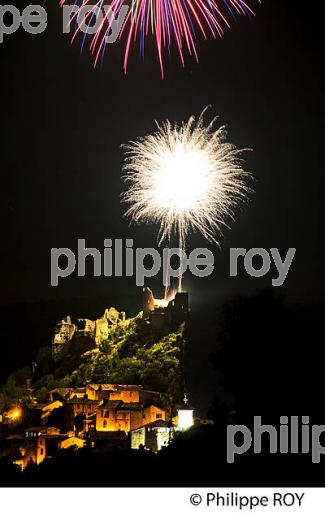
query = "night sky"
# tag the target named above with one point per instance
(63, 123)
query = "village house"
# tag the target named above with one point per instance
(82, 406)
(31, 450)
(153, 436)
(116, 415)
(31, 446)
(37, 414)
(85, 408)
(125, 393)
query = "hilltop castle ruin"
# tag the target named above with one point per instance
(164, 316)
(95, 331)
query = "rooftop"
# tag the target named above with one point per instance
(155, 424)
(114, 387)
(110, 405)
(81, 400)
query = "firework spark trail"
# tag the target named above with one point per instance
(178, 21)
(184, 178)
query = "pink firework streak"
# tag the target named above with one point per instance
(170, 21)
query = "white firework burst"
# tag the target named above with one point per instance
(184, 177)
